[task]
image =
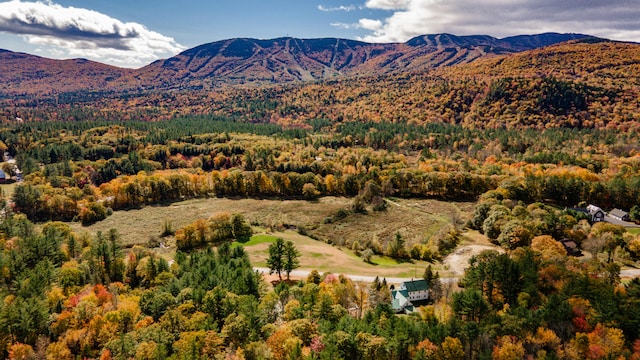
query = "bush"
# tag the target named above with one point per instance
(366, 255)
(309, 191)
(341, 214)
(92, 213)
(167, 228)
(219, 228)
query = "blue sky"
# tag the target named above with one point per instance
(134, 33)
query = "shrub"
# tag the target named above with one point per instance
(167, 228)
(92, 213)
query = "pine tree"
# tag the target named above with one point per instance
(275, 261)
(291, 261)
(241, 229)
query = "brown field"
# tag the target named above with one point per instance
(416, 220)
(138, 225)
(323, 257)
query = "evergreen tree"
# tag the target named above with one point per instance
(275, 261)
(291, 261)
(241, 229)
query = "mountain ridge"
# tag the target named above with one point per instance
(241, 61)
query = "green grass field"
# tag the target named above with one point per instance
(255, 240)
(634, 231)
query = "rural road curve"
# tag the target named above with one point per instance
(390, 280)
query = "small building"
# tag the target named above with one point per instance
(597, 214)
(619, 214)
(410, 295)
(571, 247)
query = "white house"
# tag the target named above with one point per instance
(409, 295)
(596, 213)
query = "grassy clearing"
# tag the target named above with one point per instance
(327, 258)
(255, 240)
(384, 261)
(414, 219)
(138, 225)
(634, 231)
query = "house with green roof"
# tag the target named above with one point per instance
(409, 296)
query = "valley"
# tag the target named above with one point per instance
(325, 246)
(152, 204)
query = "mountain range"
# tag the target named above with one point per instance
(252, 61)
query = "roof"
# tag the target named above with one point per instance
(400, 300)
(618, 213)
(592, 209)
(416, 285)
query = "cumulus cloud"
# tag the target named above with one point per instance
(86, 33)
(614, 19)
(369, 24)
(346, 8)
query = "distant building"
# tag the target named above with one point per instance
(597, 214)
(571, 247)
(619, 214)
(410, 295)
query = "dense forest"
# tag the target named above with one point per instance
(529, 148)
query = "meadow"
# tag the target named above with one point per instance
(416, 219)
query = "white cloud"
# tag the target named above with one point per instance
(369, 24)
(345, 26)
(614, 19)
(387, 4)
(84, 33)
(346, 8)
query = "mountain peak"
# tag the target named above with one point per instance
(260, 61)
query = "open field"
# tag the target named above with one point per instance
(138, 225)
(316, 255)
(414, 219)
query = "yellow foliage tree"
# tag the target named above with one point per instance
(548, 247)
(19, 351)
(451, 349)
(508, 348)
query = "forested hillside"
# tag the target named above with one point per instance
(237, 62)
(68, 294)
(576, 85)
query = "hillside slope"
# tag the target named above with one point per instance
(283, 60)
(251, 61)
(25, 73)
